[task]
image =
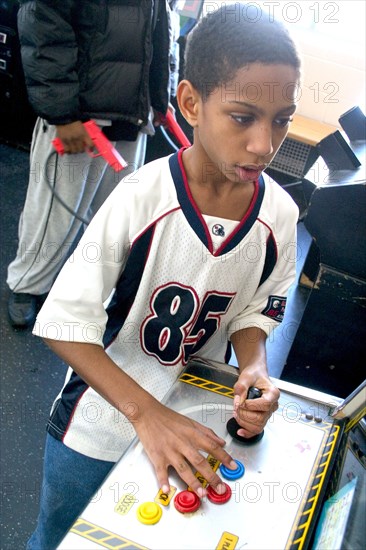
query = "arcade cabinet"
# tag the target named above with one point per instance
(301, 486)
(328, 352)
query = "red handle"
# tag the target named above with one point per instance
(176, 130)
(58, 145)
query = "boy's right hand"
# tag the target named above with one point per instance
(74, 137)
(171, 439)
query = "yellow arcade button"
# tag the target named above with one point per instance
(149, 513)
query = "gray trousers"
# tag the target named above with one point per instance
(47, 229)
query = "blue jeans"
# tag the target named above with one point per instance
(70, 480)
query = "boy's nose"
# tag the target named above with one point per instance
(260, 141)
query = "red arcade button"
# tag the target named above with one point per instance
(216, 498)
(187, 501)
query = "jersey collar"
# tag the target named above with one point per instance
(195, 218)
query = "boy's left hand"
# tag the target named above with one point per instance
(253, 414)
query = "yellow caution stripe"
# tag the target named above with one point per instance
(103, 537)
(207, 385)
(304, 517)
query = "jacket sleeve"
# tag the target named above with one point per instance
(159, 81)
(174, 55)
(49, 58)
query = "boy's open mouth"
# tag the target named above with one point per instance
(249, 172)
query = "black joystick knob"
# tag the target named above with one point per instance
(232, 426)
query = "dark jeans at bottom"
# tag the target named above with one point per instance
(70, 480)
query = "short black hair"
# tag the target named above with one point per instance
(233, 37)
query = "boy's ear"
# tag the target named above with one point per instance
(188, 100)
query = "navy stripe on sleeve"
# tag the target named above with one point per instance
(271, 259)
(117, 311)
(127, 286)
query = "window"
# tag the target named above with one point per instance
(343, 19)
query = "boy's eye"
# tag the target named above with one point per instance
(282, 122)
(243, 119)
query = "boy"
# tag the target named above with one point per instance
(195, 247)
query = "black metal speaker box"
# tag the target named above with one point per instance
(353, 123)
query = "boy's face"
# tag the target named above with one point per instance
(243, 123)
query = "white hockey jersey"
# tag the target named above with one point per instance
(174, 295)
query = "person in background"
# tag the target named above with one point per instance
(112, 62)
(193, 257)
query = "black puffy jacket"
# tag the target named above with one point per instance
(106, 59)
